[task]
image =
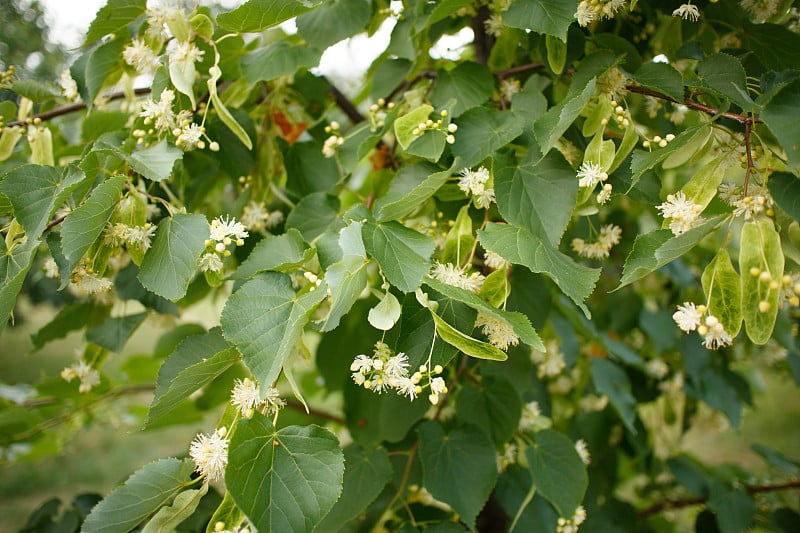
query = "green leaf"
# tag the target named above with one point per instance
(278, 59)
(445, 8)
(115, 331)
(643, 161)
(517, 321)
(782, 117)
(365, 475)
(264, 318)
(724, 74)
(145, 491)
(404, 126)
(333, 21)
(519, 246)
(155, 163)
(402, 253)
(308, 170)
(346, 278)
(775, 45)
(284, 480)
(14, 267)
(494, 406)
(653, 250)
(257, 15)
(282, 253)
(469, 83)
(313, 215)
(552, 125)
(785, 190)
(73, 317)
(227, 513)
(557, 471)
(170, 264)
(197, 361)
(549, 17)
(458, 467)
(611, 380)
(723, 292)
(34, 90)
(482, 131)
(102, 62)
(372, 418)
(35, 192)
(556, 53)
(115, 15)
(760, 248)
(465, 343)
(83, 226)
(168, 518)
(412, 186)
(460, 239)
(661, 77)
(734, 508)
(538, 194)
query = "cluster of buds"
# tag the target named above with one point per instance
(690, 317)
(377, 113)
(789, 286)
(246, 396)
(334, 141)
(384, 371)
(659, 141)
(620, 115)
(570, 525)
(438, 125)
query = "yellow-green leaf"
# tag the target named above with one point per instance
(760, 252)
(723, 292)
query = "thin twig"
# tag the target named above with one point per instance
(407, 84)
(316, 413)
(749, 152)
(698, 500)
(530, 67)
(76, 106)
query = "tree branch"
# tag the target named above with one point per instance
(698, 500)
(345, 104)
(316, 413)
(482, 41)
(530, 67)
(77, 106)
(742, 119)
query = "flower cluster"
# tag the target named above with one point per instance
(570, 525)
(141, 57)
(590, 174)
(384, 371)
(438, 125)
(507, 457)
(550, 362)
(256, 217)
(690, 317)
(659, 141)
(210, 454)
(591, 10)
(532, 419)
(683, 214)
(583, 451)
(609, 236)
(457, 277)
(88, 376)
(687, 12)
(119, 234)
(224, 232)
(494, 261)
(499, 332)
(162, 119)
(761, 10)
(475, 182)
(614, 84)
(246, 396)
(86, 282)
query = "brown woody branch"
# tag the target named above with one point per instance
(316, 413)
(71, 108)
(345, 104)
(691, 104)
(699, 500)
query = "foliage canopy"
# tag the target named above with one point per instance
(493, 288)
